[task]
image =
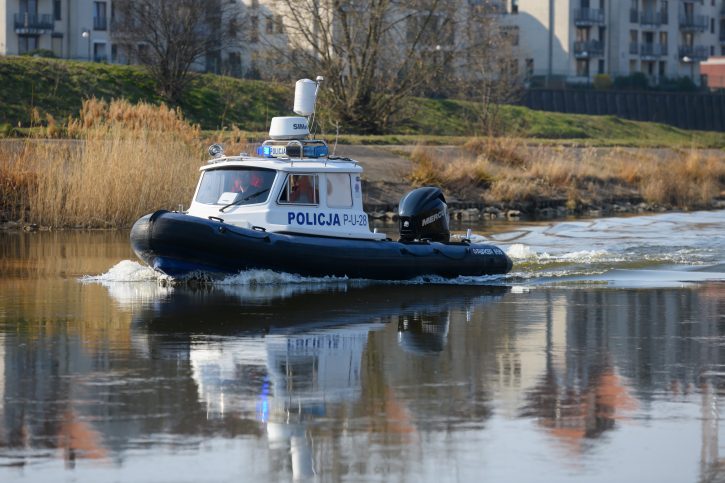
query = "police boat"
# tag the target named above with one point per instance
(297, 209)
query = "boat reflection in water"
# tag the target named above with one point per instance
(302, 354)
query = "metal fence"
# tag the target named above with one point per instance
(703, 111)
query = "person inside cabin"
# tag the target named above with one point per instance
(302, 190)
(241, 181)
(247, 182)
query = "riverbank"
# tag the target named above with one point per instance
(569, 188)
(508, 179)
(123, 160)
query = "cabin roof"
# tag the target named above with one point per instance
(322, 165)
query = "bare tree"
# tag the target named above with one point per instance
(493, 75)
(170, 36)
(374, 54)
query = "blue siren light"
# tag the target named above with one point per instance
(317, 151)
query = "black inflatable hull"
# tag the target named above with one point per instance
(179, 245)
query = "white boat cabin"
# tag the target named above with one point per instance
(291, 186)
(281, 191)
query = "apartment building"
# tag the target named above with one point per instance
(562, 40)
(574, 40)
(71, 29)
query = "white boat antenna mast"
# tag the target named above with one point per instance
(318, 80)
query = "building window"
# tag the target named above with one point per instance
(99, 52)
(600, 69)
(254, 29)
(99, 16)
(57, 44)
(279, 22)
(29, 6)
(269, 25)
(582, 68)
(235, 64)
(514, 6)
(56, 10)
(27, 43)
(529, 67)
(712, 25)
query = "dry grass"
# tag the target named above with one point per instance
(125, 160)
(429, 170)
(586, 176)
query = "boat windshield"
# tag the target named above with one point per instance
(238, 186)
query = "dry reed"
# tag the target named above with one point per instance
(578, 176)
(125, 160)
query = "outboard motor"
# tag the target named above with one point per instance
(423, 215)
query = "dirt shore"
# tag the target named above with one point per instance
(386, 172)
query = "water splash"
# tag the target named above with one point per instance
(268, 277)
(126, 271)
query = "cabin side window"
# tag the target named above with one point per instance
(300, 189)
(339, 190)
(241, 186)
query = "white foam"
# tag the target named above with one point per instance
(268, 277)
(126, 271)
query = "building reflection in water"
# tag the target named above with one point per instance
(327, 379)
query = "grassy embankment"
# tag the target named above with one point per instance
(46, 90)
(133, 158)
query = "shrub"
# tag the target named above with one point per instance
(49, 54)
(602, 82)
(636, 81)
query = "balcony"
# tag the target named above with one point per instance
(586, 17)
(652, 51)
(588, 48)
(100, 23)
(692, 23)
(652, 18)
(32, 23)
(693, 53)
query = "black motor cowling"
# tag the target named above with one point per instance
(423, 215)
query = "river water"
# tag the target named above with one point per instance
(599, 358)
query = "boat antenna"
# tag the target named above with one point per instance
(337, 135)
(318, 80)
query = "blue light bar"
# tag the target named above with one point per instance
(315, 151)
(265, 151)
(293, 151)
